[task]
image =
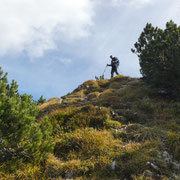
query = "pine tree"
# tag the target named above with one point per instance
(159, 56)
(41, 100)
(21, 137)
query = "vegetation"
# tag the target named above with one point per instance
(41, 100)
(159, 53)
(119, 128)
(22, 139)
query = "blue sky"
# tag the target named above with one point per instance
(50, 47)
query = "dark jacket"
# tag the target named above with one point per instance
(114, 62)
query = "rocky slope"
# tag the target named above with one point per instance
(113, 129)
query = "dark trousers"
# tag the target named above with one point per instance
(114, 70)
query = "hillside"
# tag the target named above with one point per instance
(108, 129)
(114, 129)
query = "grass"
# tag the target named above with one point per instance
(119, 120)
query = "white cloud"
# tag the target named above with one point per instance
(33, 26)
(132, 3)
(65, 60)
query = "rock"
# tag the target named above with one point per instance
(176, 166)
(148, 173)
(60, 100)
(85, 99)
(152, 166)
(113, 165)
(69, 175)
(167, 157)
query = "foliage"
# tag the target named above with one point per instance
(133, 158)
(99, 78)
(159, 53)
(173, 143)
(20, 135)
(139, 133)
(84, 144)
(113, 124)
(93, 95)
(74, 118)
(91, 86)
(41, 100)
(82, 152)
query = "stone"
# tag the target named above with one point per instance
(69, 175)
(167, 157)
(152, 166)
(60, 100)
(176, 166)
(113, 165)
(148, 173)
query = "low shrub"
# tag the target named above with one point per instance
(83, 152)
(173, 143)
(91, 86)
(103, 83)
(84, 144)
(93, 95)
(73, 118)
(133, 158)
(140, 133)
(113, 124)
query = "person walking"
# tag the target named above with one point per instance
(114, 64)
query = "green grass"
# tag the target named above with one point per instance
(121, 120)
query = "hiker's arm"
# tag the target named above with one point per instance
(109, 65)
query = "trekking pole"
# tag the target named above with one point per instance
(104, 70)
(119, 70)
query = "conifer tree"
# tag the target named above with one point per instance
(159, 56)
(20, 135)
(41, 100)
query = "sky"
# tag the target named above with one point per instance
(51, 47)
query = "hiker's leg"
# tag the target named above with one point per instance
(112, 72)
(116, 71)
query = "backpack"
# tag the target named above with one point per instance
(116, 61)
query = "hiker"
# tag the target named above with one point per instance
(114, 64)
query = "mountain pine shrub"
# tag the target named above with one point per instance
(159, 56)
(73, 118)
(21, 137)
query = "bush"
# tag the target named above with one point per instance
(73, 118)
(113, 124)
(41, 100)
(93, 95)
(21, 137)
(173, 143)
(82, 152)
(158, 52)
(133, 158)
(91, 85)
(84, 144)
(140, 133)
